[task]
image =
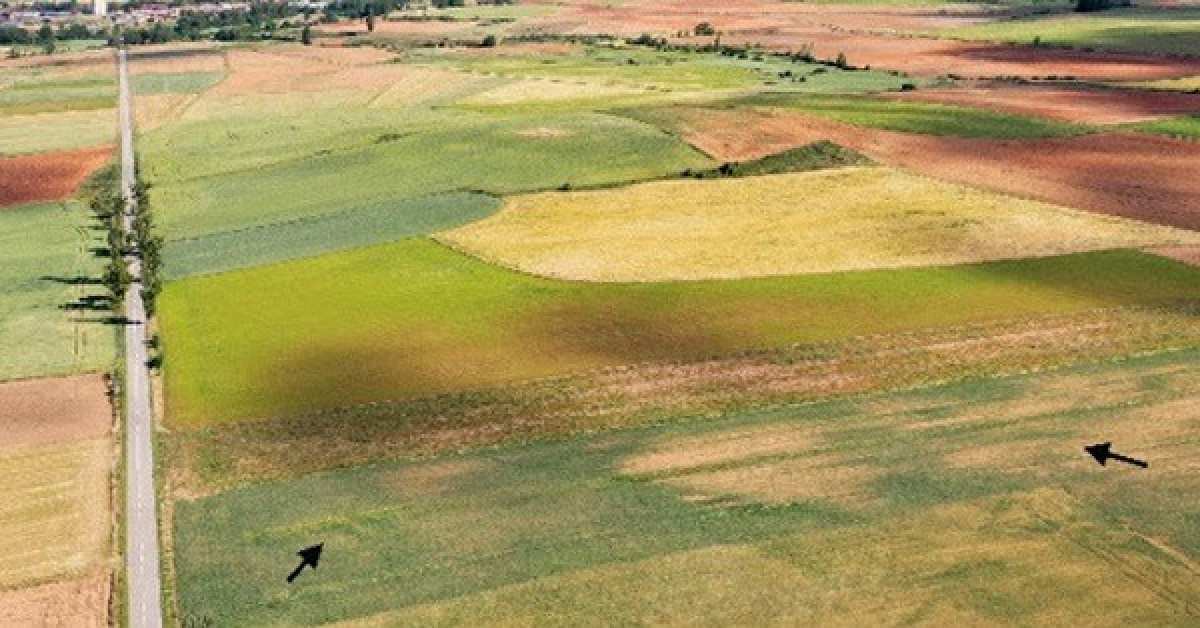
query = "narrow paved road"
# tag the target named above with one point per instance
(141, 517)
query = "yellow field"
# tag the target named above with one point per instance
(54, 511)
(965, 555)
(814, 222)
(1183, 84)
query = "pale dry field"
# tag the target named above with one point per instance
(56, 459)
(56, 511)
(79, 603)
(815, 222)
(548, 90)
(995, 550)
(54, 410)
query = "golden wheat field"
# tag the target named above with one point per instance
(815, 222)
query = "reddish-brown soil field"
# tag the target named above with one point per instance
(1185, 254)
(660, 17)
(310, 69)
(54, 410)
(1073, 104)
(48, 176)
(81, 603)
(867, 35)
(1126, 174)
(934, 57)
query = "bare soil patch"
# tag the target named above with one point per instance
(868, 35)
(1082, 104)
(1127, 174)
(54, 410)
(784, 481)
(81, 603)
(1185, 254)
(433, 479)
(936, 57)
(719, 448)
(544, 133)
(48, 176)
(312, 69)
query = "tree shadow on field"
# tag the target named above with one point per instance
(77, 280)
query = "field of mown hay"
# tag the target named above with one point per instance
(277, 340)
(814, 222)
(1134, 175)
(56, 460)
(937, 504)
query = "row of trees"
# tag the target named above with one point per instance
(140, 240)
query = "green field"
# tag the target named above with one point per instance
(671, 70)
(1155, 31)
(472, 153)
(43, 132)
(413, 318)
(964, 504)
(46, 265)
(381, 222)
(1187, 127)
(175, 82)
(917, 117)
(50, 95)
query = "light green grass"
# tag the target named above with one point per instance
(644, 67)
(1187, 127)
(919, 117)
(42, 249)
(193, 149)
(43, 132)
(497, 156)
(938, 525)
(175, 82)
(413, 318)
(1156, 31)
(43, 96)
(381, 222)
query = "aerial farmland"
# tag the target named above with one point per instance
(651, 312)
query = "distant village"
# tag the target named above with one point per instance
(34, 15)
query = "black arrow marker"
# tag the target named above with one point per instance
(310, 557)
(1102, 452)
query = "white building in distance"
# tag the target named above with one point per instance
(100, 7)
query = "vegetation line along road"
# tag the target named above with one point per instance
(141, 541)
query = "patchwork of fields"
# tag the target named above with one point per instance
(57, 124)
(887, 508)
(576, 329)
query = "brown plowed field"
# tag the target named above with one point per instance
(1185, 254)
(868, 35)
(1072, 104)
(81, 603)
(54, 410)
(48, 176)
(1126, 174)
(937, 57)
